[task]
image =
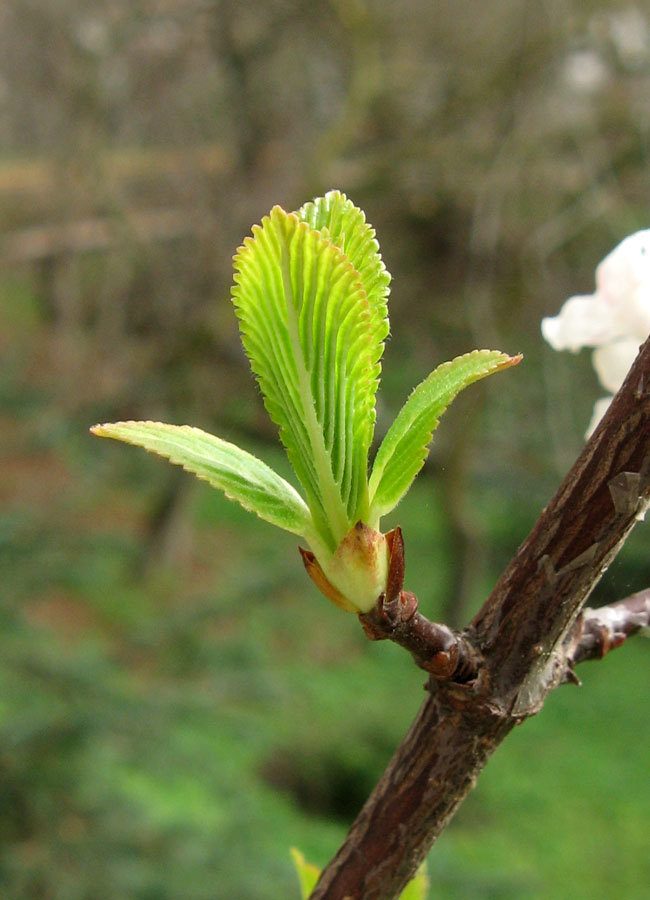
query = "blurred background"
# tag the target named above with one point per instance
(178, 706)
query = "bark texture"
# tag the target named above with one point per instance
(523, 643)
(598, 631)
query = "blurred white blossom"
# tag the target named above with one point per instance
(585, 71)
(615, 319)
(93, 35)
(630, 35)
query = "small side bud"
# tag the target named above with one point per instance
(357, 572)
(318, 577)
(395, 580)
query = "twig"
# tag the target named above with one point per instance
(444, 653)
(519, 634)
(598, 631)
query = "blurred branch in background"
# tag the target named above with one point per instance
(500, 149)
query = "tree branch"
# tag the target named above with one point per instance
(597, 631)
(435, 648)
(521, 639)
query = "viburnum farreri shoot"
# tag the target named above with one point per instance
(310, 293)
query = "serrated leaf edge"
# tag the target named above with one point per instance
(379, 465)
(300, 508)
(328, 491)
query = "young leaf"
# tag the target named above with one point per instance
(405, 447)
(308, 873)
(338, 219)
(307, 328)
(418, 887)
(240, 475)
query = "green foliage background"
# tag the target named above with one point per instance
(178, 705)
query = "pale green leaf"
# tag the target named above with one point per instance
(308, 874)
(405, 447)
(338, 219)
(306, 326)
(240, 475)
(418, 887)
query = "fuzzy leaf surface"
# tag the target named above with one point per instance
(240, 475)
(306, 326)
(405, 447)
(338, 219)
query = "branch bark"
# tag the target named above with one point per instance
(435, 648)
(598, 631)
(526, 639)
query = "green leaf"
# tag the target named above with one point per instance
(308, 874)
(418, 887)
(405, 447)
(240, 475)
(307, 328)
(338, 219)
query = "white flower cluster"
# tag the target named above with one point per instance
(615, 319)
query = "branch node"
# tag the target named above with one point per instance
(570, 676)
(444, 663)
(445, 654)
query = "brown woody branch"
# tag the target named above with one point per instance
(435, 648)
(521, 644)
(597, 631)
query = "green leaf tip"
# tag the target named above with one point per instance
(418, 887)
(313, 330)
(405, 447)
(240, 475)
(308, 875)
(338, 219)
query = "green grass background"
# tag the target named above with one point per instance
(169, 730)
(176, 713)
